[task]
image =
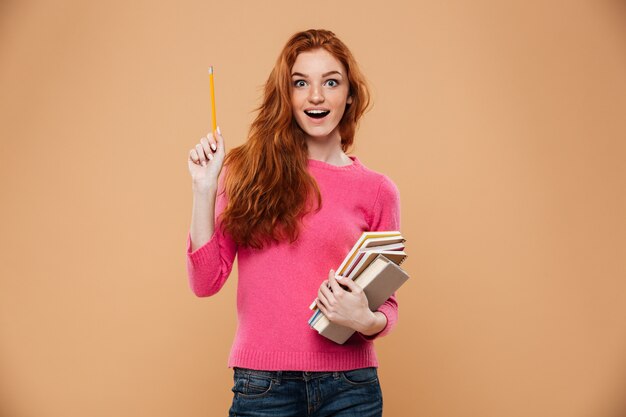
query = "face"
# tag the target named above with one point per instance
(319, 93)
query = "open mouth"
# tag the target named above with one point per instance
(317, 114)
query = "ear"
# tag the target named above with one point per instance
(349, 100)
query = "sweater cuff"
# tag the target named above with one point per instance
(205, 254)
(391, 315)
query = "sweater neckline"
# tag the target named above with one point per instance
(325, 165)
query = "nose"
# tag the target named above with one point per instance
(316, 95)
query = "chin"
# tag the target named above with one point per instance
(319, 133)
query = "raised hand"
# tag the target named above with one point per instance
(206, 159)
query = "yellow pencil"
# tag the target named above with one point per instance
(213, 118)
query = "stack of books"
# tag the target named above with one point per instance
(374, 264)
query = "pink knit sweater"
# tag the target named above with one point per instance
(277, 284)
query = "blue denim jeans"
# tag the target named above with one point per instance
(306, 394)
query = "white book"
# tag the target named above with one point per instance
(366, 258)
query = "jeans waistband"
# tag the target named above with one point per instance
(279, 375)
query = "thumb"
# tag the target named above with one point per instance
(220, 140)
(346, 282)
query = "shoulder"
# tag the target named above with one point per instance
(383, 186)
(384, 201)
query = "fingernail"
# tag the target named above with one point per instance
(203, 163)
(219, 132)
(210, 157)
(214, 147)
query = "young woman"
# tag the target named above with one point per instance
(290, 204)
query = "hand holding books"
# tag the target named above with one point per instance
(373, 264)
(343, 302)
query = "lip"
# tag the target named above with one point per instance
(316, 108)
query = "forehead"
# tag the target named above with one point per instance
(317, 62)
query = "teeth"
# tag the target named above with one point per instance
(317, 111)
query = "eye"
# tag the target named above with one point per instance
(299, 83)
(333, 83)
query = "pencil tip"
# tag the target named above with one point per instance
(211, 69)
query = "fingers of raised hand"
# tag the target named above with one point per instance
(199, 151)
(212, 141)
(207, 143)
(193, 156)
(202, 152)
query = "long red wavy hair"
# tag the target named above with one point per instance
(267, 183)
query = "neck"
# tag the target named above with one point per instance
(327, 149)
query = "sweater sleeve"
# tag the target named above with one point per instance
(209, 266)
(386, 216)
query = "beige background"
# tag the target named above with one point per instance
(502, 123)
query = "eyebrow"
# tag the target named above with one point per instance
(323, 75)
